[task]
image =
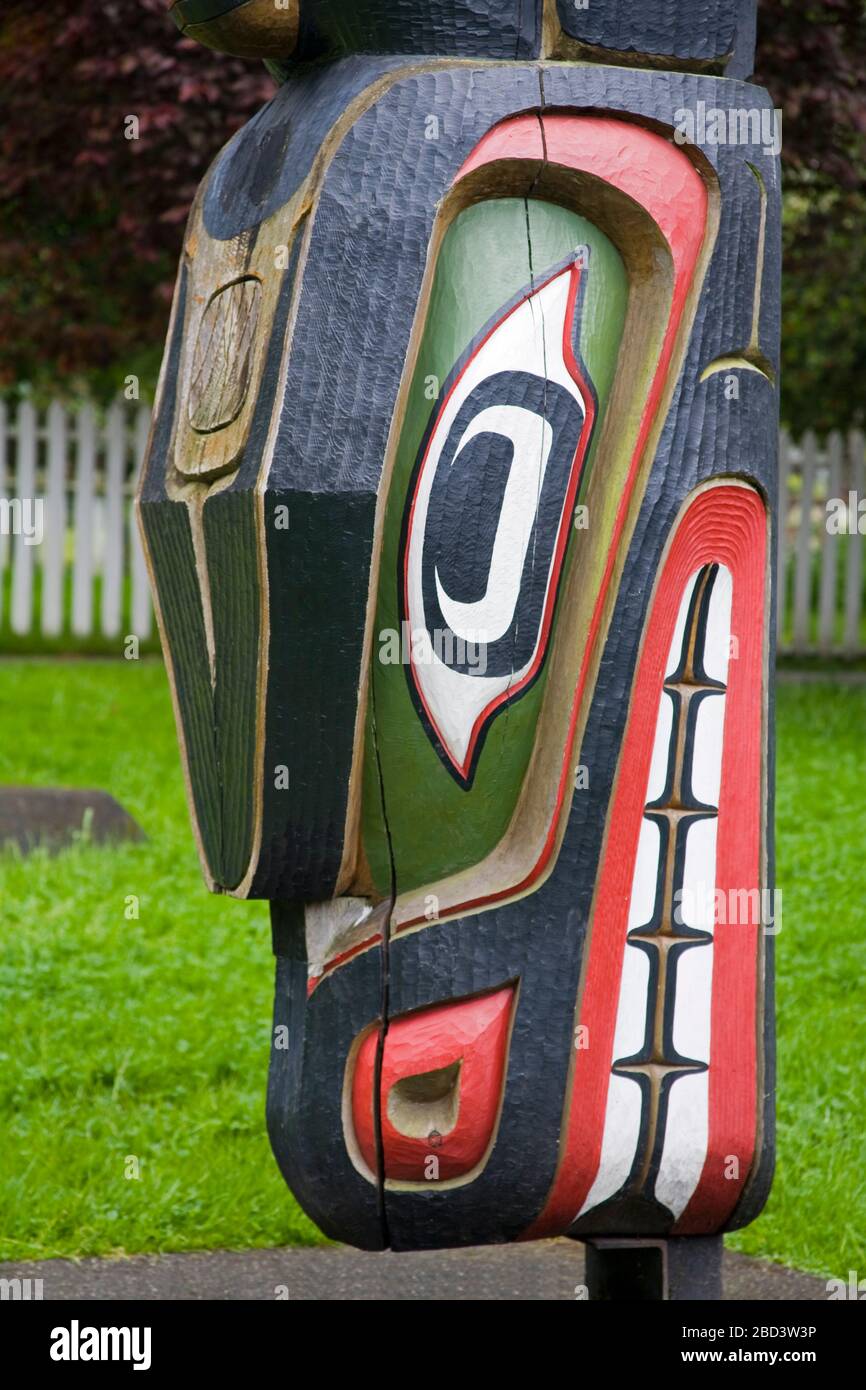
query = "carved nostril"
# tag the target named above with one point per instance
(426, 1104)
(441, 1078)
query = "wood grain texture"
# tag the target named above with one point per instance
(328, 456)
(313, 1047)
(703, 435)
(617, 173)
(490, 250)
(725, 524)
(247, 28)
(441, 1080)
(452, 28)
(221, 358)
(271, 627)
(305, 30)
(713, 36)
(701, 35)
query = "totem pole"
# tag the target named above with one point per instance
(459, 510)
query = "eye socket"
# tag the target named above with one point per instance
(496, 497)
(488, 513)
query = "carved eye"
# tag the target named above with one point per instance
(223, 349)
(488, 514)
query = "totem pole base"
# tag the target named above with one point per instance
(680, 1269)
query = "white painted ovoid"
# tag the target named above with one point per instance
(530, 339)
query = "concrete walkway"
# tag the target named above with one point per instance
(538, 1270)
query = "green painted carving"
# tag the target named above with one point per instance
(492, 251)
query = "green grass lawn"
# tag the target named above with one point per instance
(149, 1038)
(145, 1038)
(816, 1216)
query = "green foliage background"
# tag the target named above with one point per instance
(91, 222)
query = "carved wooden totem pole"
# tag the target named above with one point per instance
(459, 507)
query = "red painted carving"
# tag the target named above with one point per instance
(661, 179)
(443, 1072)
(725, 525)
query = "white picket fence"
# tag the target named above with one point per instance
(821, 608)
(87, 578)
